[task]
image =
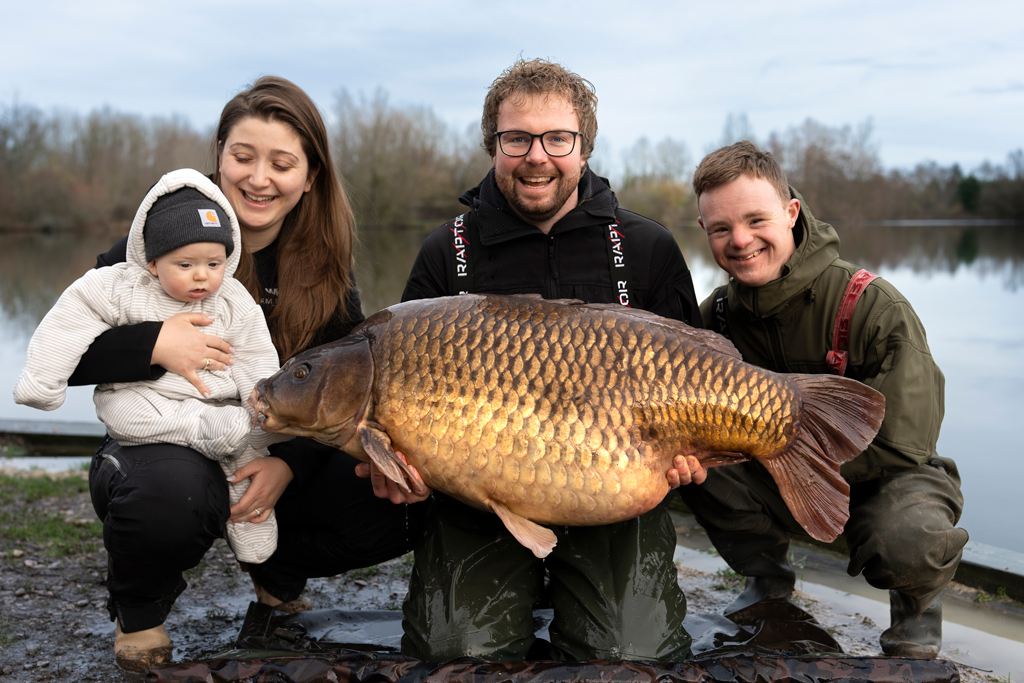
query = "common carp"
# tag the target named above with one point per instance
(560, 412)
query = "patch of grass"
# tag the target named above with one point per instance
(196, 572)
(727, 579)
(7, 635)
(1001, 592)
(216, 613)
(408, 559)
(799, 562)
(364, 573)
(983, 596)
(57, 537)
(31, 489)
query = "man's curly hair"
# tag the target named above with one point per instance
(541, 77)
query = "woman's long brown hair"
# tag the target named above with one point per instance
(314, 252)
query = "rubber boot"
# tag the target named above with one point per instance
(139, 651)
(762, 559)
(916, 630)
(264, 597)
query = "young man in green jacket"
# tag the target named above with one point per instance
(779, 308)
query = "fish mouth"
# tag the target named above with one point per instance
(264, 418)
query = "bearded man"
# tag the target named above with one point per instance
(542, 223)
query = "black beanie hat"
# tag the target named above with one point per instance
(185, 216)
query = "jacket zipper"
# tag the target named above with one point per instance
(771, 331)
(552, 269)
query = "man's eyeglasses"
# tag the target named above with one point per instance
(556, 143)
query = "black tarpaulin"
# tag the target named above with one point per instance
(773, 641)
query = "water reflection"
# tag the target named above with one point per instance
(35, 269)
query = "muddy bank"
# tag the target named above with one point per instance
(54, 626)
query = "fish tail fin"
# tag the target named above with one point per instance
(840, 418)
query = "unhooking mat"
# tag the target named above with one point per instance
(770, 641)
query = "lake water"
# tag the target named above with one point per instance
(966, 283)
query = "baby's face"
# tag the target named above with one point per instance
(192, 272)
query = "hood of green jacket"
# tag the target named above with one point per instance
(818, 247)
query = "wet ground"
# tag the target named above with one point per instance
(54, 627)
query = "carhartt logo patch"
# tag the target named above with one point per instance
(209, 218)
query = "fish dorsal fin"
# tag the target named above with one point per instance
(377, 445)
(538, 539)
(707, 338)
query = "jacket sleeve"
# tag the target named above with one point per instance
(895, 360)
(429, 275)
(81, 313)
(120, 354)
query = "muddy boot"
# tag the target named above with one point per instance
(263, 596)
(916, 630)
(762, 559)
(139, 651)
(760, 588)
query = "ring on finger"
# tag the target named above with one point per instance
(208, 361)
(256, 511)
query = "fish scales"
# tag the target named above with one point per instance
(560, 413)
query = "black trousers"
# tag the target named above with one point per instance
(162, 506)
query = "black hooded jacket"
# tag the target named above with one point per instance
(509, 256)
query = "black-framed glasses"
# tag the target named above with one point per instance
(556, 143)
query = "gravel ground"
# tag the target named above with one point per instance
(54, 627)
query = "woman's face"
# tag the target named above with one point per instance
(264, 173)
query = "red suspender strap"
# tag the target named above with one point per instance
(839, 355)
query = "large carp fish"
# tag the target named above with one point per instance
(560, 412)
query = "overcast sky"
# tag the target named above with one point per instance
(939, 80)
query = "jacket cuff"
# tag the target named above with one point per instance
(121, 354)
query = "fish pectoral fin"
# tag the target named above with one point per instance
(377, 445)
(538, 539)
(720, 458)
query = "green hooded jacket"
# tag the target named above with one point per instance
(786, 326)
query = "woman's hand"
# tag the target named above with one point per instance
(685, 470)
(385, 488)
(268, 478)
(184, 350)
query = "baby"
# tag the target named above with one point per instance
(183, 248)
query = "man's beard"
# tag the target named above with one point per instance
(538, 211)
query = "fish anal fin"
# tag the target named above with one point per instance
(720, 458)
(377, 445)
(812, 488)
(538, 539)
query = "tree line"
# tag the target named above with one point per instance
(404, 165)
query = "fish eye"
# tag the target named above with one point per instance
(301, 372)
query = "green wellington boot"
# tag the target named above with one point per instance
(916, 631)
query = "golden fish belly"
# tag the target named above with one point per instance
(565, 418)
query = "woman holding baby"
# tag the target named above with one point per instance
(163, 505)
